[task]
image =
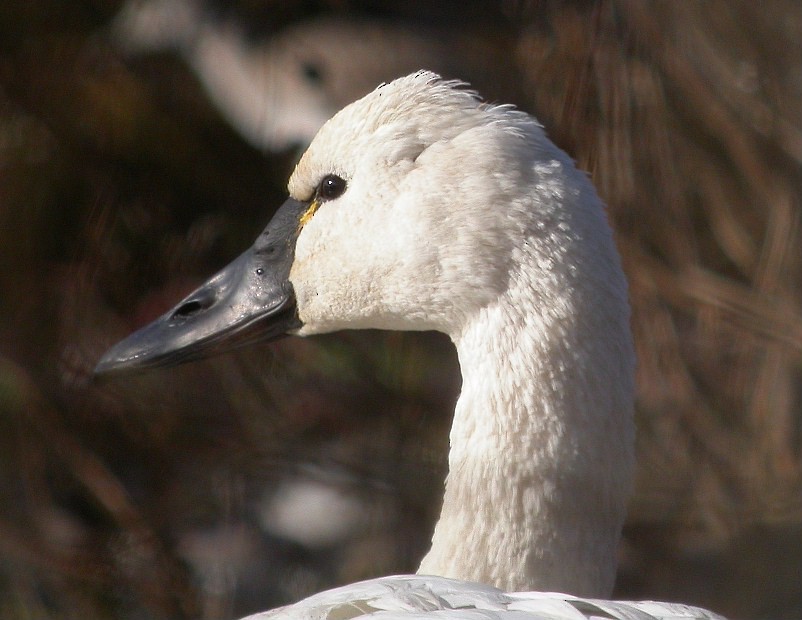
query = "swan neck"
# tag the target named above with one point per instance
(541, 454)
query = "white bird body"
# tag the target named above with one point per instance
(419, 208)
(409, 597)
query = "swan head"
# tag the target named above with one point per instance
(409, 211)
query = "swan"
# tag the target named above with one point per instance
(418, 207)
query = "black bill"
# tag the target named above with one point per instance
(249, 300)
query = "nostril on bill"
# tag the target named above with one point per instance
(193, 306)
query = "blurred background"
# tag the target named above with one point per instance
(145, 144)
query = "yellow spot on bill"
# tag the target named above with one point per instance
(307, 215)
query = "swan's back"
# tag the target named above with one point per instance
(436, 598)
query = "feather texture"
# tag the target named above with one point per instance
(437, 598)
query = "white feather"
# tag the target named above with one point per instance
(437, 598)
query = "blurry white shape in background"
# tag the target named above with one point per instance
(277, 93)
(312, 513)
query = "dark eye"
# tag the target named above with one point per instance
(331, 187)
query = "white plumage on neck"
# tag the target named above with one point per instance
(542, 440)
(465, 218)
